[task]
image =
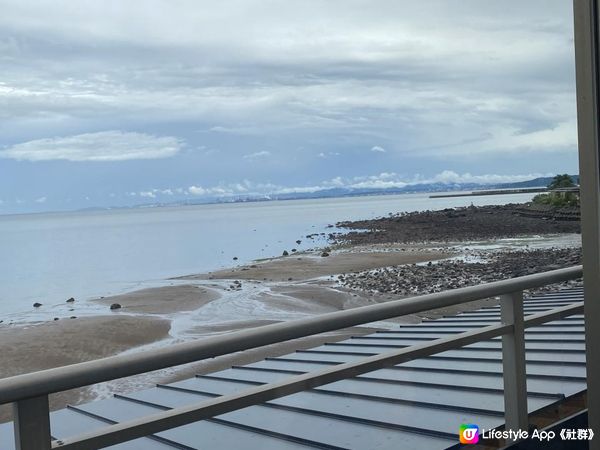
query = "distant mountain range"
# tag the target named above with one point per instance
(351, 192)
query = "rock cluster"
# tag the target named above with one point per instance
(451, 225)
(451, 274)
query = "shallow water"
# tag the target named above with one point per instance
(48, 258)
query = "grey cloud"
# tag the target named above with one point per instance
(428, 79)
(102, 146)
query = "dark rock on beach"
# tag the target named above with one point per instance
(454, 225)
(428, 278)
(71, 300)
(115, 306)
(37, 305)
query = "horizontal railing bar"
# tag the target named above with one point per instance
(91, 372)
(126, 431)
(553, 314)
(377, 380)
(434, 369)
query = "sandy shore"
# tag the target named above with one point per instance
(307, 266)
(64, 342)
(30, 348)
(163, 300)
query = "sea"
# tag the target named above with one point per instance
(50, 257)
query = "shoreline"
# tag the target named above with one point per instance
(255, 294)
(45, 345)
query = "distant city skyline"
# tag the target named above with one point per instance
(120, 103)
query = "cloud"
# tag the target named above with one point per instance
(328, 154)
(147, 194)
(196, 190)
(378, 149)
(451, 177)
(261, 154)
(41, 200)
(101, 146)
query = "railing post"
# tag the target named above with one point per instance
(513, 363)
(32, 424)
(587, 65)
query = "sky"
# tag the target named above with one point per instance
(118, 103)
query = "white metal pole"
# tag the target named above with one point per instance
(587, 62)
(513, 363)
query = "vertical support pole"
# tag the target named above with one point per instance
(32, 424)
(513, 363)
(587, 65)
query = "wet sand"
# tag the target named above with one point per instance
(35, 347)
(163, 300)
(307, 266)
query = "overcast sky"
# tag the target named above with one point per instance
(124, 102)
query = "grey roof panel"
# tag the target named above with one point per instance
(416, 392)
(395, 414)
(491, 344)
(489, 380)
(201, 435)
(575, 337)
(326, 429)
(533, 367)
(492, 354)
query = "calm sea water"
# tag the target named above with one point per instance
(51, 257)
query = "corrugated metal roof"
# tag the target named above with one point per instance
(418, 404)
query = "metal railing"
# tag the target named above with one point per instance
(29, 393)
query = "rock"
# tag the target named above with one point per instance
(115, 306)
(71, 300)
(294, 250)
(56, 318)
(324, 254)
(37, 305)
(285, 253)
(235, 258)
(298, 242)
(73, 317)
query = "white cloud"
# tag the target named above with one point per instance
(101, 146)
(196, 190)
(450, 177)
(261, 154)
(378, 149)
(147, 194)
(41, 200)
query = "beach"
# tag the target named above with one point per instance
(381, 262)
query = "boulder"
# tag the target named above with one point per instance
(115, 306)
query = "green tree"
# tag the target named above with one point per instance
(561, 181)
(558, 199)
